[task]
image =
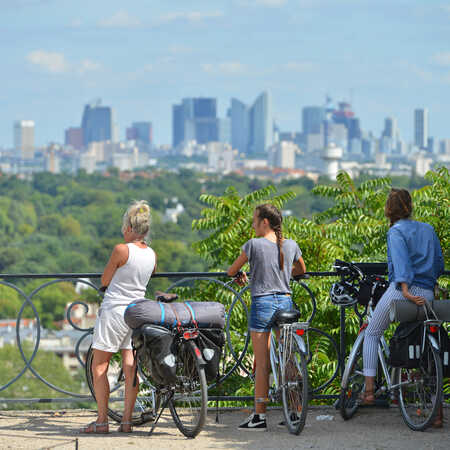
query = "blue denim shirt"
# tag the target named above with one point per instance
(414, 254)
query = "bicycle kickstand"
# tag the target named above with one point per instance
(163, 407)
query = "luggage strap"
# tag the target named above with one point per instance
(176, 316)
(191, 313)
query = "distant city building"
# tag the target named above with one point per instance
(312, 119)
(282, 154)
(444, 147)
(24, 138)
(238, 114)
(431, 145)
(220, 157)
(74, 138)
(390, 128)
(142, 133)
(421, 127)
(252, 127)
(291, 136)
(196, 119)
(332, 156)
(98, 124)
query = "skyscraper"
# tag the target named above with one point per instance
(421, 127)
(239, 117)
(98, 123)
(261, 125)
(142, 133)
(74, 138)
(195, 118)
(312, 119)
(390, 128)
(24, 138)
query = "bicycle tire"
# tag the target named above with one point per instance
(190, 402)
(353, 382)
(141, 415)
(418, 404)
(294, 388)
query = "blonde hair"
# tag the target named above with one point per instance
(137, 217)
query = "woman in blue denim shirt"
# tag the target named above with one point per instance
(272, 260)
(415, 262)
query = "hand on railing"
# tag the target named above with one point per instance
(241, 278)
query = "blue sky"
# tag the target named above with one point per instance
(140, 57)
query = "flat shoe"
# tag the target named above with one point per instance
(364, 401)
(92, 428)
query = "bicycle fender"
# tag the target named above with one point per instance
(198, 354)
(356, 345)
(433, 342)
(301, 344)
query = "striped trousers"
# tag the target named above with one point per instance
(380, 321)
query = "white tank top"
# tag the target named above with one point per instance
(129, 282)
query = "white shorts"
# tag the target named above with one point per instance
(111, 333)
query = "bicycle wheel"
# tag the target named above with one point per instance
(352, 381)
(420, 390)
(189, 404)
(294, 387)
(142, 413)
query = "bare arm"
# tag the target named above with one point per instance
(419, 301)
(236, 267)
(118, 258)
(299, 267)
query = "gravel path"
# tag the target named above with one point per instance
(370, 429)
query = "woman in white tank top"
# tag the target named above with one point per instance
(125, 277)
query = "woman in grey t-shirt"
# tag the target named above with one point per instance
(272, 260)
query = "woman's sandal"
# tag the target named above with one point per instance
(92, 428)
(121, 427)
(367, 398)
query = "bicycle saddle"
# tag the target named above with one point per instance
(165, 297)
(281, 317)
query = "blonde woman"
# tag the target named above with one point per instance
(125, 277)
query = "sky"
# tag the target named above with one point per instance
(141, 57)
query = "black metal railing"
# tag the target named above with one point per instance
(182, 279)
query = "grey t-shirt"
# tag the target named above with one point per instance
(266, 276)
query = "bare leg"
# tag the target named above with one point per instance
(100, 364)
(261, 343)
(129, 370)
(369, 390)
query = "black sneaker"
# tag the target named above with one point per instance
(294, 419)
(254, 423)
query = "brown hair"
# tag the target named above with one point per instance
(273, 215)
(398, 205)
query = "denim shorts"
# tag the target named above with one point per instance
(264, 307)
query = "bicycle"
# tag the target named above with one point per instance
(418, 390)
(186, 397)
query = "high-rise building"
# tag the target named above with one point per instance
(261, 125)
(98, 124)
(252, 127)
(142, 133)
(444, 147)
(421, 127)
(196, 119)
(390, 128)
(24, 138)
(239, 118)
(74, 137)
(312, 119)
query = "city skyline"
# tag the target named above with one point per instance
(387, 59)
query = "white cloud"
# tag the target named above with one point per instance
(299, 66)
(57, 63)
(120, 19)
(442, 59)
(52, 62)
(226, 68)
(193, 16)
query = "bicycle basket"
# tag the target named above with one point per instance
(343, 294)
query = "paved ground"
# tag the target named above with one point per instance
(370, 429)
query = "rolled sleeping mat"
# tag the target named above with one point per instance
(206, 314)
(407, 311)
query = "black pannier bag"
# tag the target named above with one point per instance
(154, 347)
(211, 342)
(371, 286)
(445, 351)
(205, 314)
(405, 346)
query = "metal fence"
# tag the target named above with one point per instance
(178, 279)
